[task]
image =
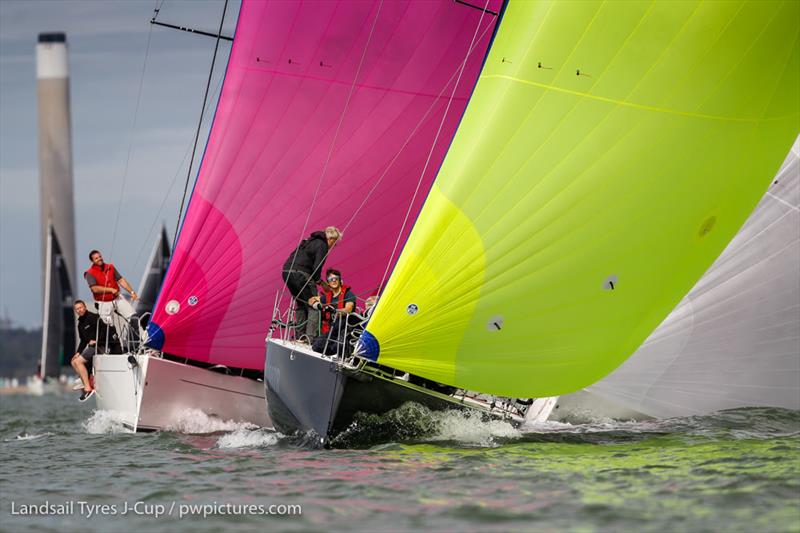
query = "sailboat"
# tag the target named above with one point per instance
(149, 389)
(122, 379)
(279, 135)
(734, 340)
(608, 154)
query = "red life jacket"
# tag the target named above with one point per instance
(106, 277)
(327, 316)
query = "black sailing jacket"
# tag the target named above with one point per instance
(88, 330)
(310, 256)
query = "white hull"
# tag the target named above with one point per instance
(159, 393)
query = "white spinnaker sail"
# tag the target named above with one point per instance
(734, 340)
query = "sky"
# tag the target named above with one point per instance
(112, 142)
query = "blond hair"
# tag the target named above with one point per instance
(332, 232)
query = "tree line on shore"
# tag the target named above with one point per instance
(20, 350)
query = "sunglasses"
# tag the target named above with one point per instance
(333, 278)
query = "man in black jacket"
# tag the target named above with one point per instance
(95, 337)
(302, 271)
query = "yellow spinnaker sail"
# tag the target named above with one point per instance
(609, 153)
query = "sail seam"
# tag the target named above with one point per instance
(784, 202)
(389, 90)
(633, 105)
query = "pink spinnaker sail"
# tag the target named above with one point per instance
(328, 115)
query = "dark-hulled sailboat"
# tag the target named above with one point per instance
(608, 154)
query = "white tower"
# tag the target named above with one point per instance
(57, 210)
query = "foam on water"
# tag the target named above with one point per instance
(469, 427)
(248, 438)
(548, 425)
(26, 436)
(105, 422)
(413, 422)
(195, 421)
(582, 416)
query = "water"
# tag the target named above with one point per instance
(733, 471)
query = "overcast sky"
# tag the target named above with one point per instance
(107, 41)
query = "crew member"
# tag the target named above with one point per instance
(93, 340)
(105, 281)
(301, 272)
(337, 301)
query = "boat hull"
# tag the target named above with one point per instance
(307, 392)
(158, 394)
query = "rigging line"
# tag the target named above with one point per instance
(166, 196)
(190, 30)
(333, 144)
(199, 126)
(410, 136)
(361, 85)
(130, 144)
(470, 49)
(430, 152)
(462, 66)
(473, 6)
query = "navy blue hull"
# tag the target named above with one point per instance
(308, 393)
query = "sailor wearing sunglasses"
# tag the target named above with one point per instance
(336, 300)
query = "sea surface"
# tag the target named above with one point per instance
(61, 462)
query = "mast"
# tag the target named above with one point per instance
(56, 201)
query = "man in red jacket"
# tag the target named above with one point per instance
(105, 281)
